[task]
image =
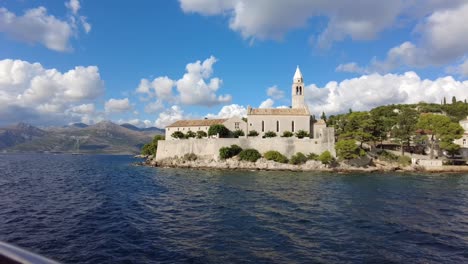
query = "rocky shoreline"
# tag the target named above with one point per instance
(268, 165)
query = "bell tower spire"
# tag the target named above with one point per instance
(298, 100)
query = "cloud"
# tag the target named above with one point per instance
(74, 6)
(265, 19)
(461, 69)
(29, 92)
(196, 87)
(117, 105)
(275, 93)
(352, 67)
(169, 116)
(229, 111)
(136, 122)
(369, 91)
(439, 40)
(84, 109)
(268, 103)
(37, 26)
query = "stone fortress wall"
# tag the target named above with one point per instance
(208, 148)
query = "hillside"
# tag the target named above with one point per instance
(102, 138)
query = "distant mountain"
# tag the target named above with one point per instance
(147, 129)
(78, 125)
(103, 137)
(19, 133)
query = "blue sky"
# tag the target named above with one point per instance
(153, 62)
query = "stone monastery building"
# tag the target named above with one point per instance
(263, 120)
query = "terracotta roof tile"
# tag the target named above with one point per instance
(192, 123)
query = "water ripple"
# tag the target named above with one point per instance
(101, 209)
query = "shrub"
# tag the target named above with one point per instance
(270, 134)
(249, 155)
(388, 156)
(275, 156)
(150, 148)
(302, 134)
(229, 152)
(190, 156)
(218, 129)
(178, 134)
(287, 134)
(312, 156)
(326, 158)
(347, 149)
(298, 158)
(253, 133)
(201, 134)
(190, 134)
(404, 160)
(238, 133)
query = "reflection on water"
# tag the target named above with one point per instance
(100, 209)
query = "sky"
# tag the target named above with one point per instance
(150, 63)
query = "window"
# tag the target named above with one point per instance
(464, 141)
(263, 126)
(277, 126)
(236, 125)
(292, 126)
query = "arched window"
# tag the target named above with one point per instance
(292, 126)
(263, 126)
(297, 90)
(277, 126)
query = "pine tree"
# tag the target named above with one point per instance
(454, 100)
(445, 101)
(324, 117)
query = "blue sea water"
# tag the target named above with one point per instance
(102, 209)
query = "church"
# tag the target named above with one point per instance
(263, 120)
(292, 119)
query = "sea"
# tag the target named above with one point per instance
(105, 209)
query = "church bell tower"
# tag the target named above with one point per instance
(298, 100)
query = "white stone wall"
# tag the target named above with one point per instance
(209, 148)
(231, 124)
(285, 123)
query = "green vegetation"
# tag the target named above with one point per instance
(312, 156)
(442, 129)
(253, 133)
(178, 134)
(229, 152)
(302, 134)
(275, 156)
(348, 149)
(404, 160)
(298, 158)
(387, 156)
(201, 134)
(287, 134)
(270, 134)
(220, 130)
(405, 127)
(150, 148)
(238, 133)
(190, 134)
(326, 158)
(251, 155)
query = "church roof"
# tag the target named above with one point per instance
(278, 111)
(201, 122)
(297, 74)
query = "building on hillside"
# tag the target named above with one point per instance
(233, 124)
(463, 141)
(292, 119)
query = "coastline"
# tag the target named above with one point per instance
(310, 166)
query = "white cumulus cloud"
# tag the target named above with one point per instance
(37, 26)
(275, 93)
(29, 92)
(169, 116)
(117, 105)
(369, 91)
(229, 111)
